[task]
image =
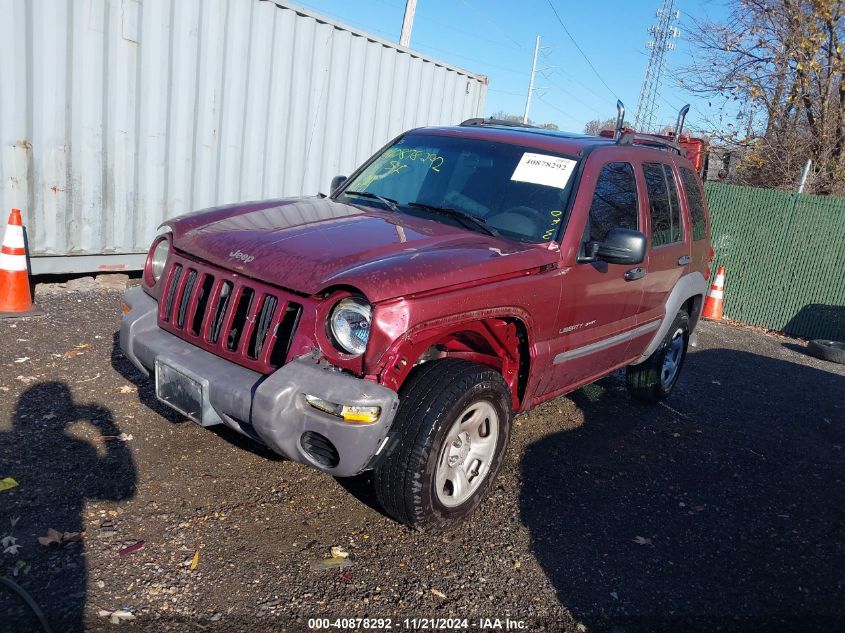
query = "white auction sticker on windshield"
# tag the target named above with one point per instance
(541, 169)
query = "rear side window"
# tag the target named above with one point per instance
(614, 202)
(695, 202)
(663, 202)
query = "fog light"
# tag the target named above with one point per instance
(349, 413)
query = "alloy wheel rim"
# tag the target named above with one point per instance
(467, 454)
(672, 359)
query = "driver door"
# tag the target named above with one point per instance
(599, 301)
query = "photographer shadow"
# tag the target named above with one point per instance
(64, 455)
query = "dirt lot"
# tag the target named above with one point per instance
(724, 510)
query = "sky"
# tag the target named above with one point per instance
(496, 38)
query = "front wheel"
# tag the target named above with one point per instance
(653, 379)
(451, 432)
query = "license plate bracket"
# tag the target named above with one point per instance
(179, 391)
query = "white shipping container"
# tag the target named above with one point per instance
(117, 114)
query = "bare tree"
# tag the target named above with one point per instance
(595, 126)
(501, 115)
(779, 67)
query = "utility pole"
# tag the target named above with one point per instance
(408, 23)
(531, 82)
(804, 173)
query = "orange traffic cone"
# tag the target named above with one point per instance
(714, 303)
(15, 296)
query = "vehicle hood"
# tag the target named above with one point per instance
(309, 244)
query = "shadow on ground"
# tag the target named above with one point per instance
(80, 458)
(818, 320)
(728, 515)
(145, 384)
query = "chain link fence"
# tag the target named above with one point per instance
(784, 257)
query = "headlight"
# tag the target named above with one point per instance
(158, 259)
(350, 325)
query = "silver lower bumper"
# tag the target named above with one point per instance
(270, 408)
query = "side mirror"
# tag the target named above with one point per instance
(337, 181)
(620, 246)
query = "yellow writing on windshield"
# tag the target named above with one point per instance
(411, 154)
(395, 167)
(555, 220)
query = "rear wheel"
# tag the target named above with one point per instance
(452, 429)
(653, 379)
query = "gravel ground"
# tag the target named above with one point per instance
(722, 510)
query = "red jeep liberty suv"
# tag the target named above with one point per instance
(461, 275)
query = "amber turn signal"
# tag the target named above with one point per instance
(349, 413)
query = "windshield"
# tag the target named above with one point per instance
(513, 191)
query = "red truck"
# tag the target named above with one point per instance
(694, 148)
(461, 275)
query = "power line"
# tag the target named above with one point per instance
(419, 18)
(583, 54)
(573, 97)
(484, 17)
(554, 107)
(422, 45)
(675, 108)
(568, 77)
(511, 42)
(505, 92)
(446, 25)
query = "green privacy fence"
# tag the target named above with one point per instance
(784, 256)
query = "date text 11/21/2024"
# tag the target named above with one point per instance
(417, 624)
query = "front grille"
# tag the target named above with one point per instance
(219, 313)
(259, 334)
(236, 318)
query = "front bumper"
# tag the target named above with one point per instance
(271, 409)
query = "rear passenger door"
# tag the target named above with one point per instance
(669, 250)
(700, 246)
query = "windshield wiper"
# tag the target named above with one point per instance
(390, 203)
(458, 214)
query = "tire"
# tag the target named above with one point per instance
(647, 381)
(833, 351)
(409, 480)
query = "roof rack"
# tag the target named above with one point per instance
(650, 140)
(492, 121)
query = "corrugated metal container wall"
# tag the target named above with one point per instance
(116, 114)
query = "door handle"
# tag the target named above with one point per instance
(635, 273)
(683, 260)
